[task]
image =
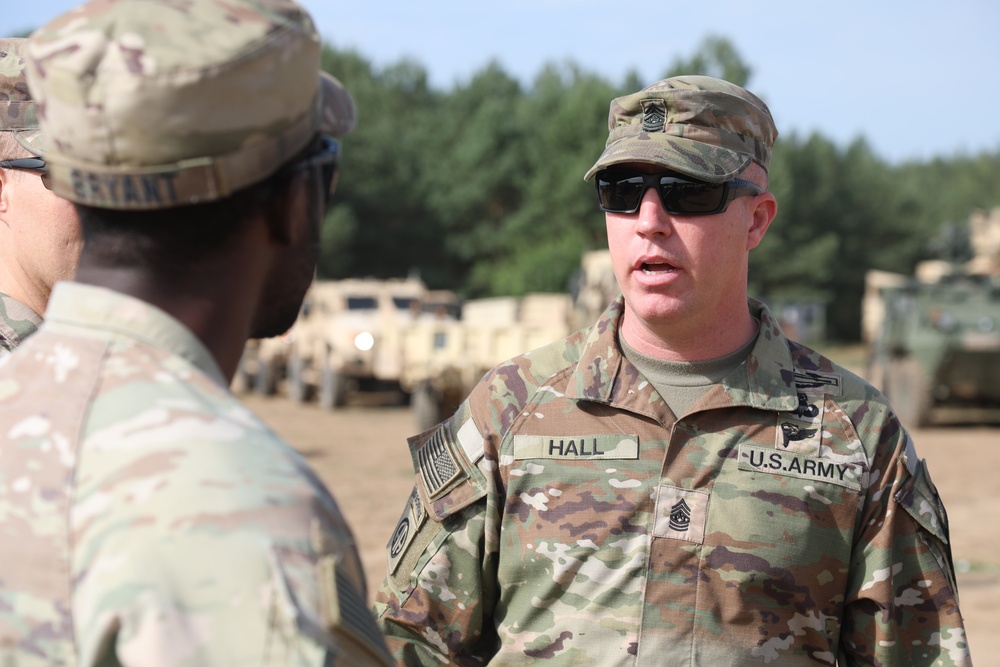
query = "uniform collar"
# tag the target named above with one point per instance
(17, 320)
(96, 312)
(604, 375)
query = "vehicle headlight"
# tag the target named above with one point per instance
(364, 341)
(986, 324)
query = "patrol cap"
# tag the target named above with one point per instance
(700, 126)
(149, 104)
(17, 109)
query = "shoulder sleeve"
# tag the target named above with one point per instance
(437, 599)
(202, 540)
(902, 601)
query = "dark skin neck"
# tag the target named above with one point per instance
(216, 298)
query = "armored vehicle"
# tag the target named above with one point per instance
(935, 336)
(349, 337)
(444, 358)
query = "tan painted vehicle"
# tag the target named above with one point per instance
(262, 367)
(349, 338)
(594, 287)
(445, 358)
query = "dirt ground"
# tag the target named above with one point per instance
(361, 453)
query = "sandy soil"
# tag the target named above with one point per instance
(360, 451)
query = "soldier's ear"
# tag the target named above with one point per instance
(282, 209)
(763, 209)
(4, 194)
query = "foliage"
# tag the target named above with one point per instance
(479, 189)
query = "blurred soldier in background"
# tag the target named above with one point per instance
(147, 517)
(679, 484)
(39, 232)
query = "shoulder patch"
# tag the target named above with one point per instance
(435, 462)
(407, 529)
(446, 479)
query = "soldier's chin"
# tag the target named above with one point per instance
(274, 325)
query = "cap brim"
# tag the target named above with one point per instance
(339, 115)
(31, 141)
(700, 161)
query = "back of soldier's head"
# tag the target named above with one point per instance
(169, 123)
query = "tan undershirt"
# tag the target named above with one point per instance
(681, 384)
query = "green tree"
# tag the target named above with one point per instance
(716, 56)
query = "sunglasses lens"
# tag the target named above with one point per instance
(619, 193)
(691, 198)
(622, 192)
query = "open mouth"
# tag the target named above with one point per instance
(653, 268)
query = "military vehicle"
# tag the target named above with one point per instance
(262, 366)
(349, 337)
(935, 336)
(594, 287)
(445, 358)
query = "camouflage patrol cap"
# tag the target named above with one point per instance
(17, 109)
(151, 104)
(700, 126)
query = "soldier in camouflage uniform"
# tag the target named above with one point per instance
(39, 232)
(146, 517)
(680, 484)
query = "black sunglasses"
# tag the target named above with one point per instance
(327, 158)
(35, 164)
(620, 191)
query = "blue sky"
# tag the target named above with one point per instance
(916, 79)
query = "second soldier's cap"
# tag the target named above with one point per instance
(700, 126)
(149, 104)
(17, 109)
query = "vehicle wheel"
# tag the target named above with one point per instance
(426, 405)
(241, 378)
(264, 381)
(298, 389)
(332, 388)
(908, 391)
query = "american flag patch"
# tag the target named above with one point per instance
(437, 466)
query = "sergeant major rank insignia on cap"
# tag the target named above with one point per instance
(654, 116)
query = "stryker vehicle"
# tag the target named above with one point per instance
(939, 346)
(935, 337)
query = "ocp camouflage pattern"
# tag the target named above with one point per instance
(147, 518)
(564, 516)
(17, 322)
(159, 104)
(701, 126)
(18, 114)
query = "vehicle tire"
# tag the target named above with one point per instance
(426, 405)
(298, 390)
(908, 391)
(265, 382)
(241, 378)
(332, 388)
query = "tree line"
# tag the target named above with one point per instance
(479, 189)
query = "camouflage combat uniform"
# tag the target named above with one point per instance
(564, 516)
(17, 322)
(183, 531)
